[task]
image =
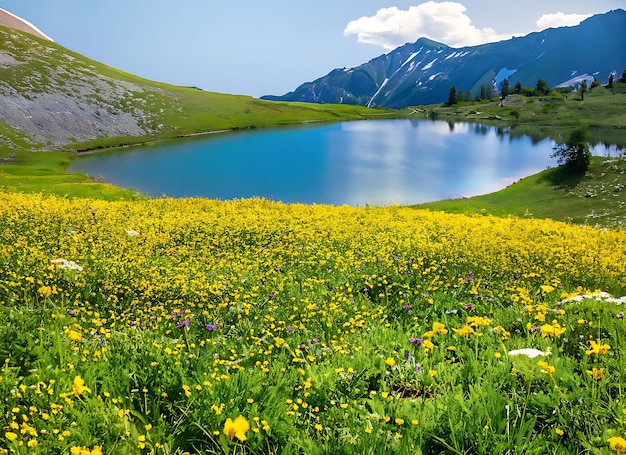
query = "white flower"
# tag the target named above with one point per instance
(531, 353)
(131, 233)
(65, 264)
(600, 296)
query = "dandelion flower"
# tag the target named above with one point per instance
(236, 428)
(78, 386)
(10, 436)
(617, 444)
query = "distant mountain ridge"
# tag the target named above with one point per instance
(423, 72)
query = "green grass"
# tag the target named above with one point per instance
(554, 115)
(45, 172)
(596, 198)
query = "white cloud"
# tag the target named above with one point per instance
(560, 20)
(445, 22)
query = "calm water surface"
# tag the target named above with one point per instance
(377, 162)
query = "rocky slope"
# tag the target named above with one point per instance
(50, 96)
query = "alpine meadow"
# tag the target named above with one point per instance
(138, 325)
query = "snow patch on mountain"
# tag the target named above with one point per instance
(434, 76)
(577, 80)
(369, 104)
(411, 57)
(503, 74)
(430, 65)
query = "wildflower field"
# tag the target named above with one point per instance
(172, 326)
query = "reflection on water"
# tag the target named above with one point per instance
(607, 150)
(356, 163)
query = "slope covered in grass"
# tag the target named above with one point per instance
(167, 326)
(596, 198)
(54, 98)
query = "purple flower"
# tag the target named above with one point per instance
(71, 312)
(416, 340)
(418, 368)
(407, 355)
(211, 327)
(468, 306)
(289, 328)
(407, 306)
(182, 324)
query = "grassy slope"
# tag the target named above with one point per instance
(596, 198)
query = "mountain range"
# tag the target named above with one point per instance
(423, 72)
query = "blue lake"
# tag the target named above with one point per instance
(377, 162)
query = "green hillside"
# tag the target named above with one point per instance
(39, 74)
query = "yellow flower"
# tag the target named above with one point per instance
(478, 321)
(73, 335)
(439, 328)
(559, 431)
(596, 373)
(546, 288)
(236, 428)
(546, 367)
(597, 348)
(10, 436)
(399, 421)
(552, 330)
(618, 444)
(45, 291)
(465, 331)
(78, 386)
(390, 362)
(318, 427)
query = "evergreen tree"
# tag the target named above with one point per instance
(505, 88)
(505, 91)
(542, 87)
(583, 90)
(452, 96)
(518, 88)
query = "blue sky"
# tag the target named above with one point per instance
(257, 48)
